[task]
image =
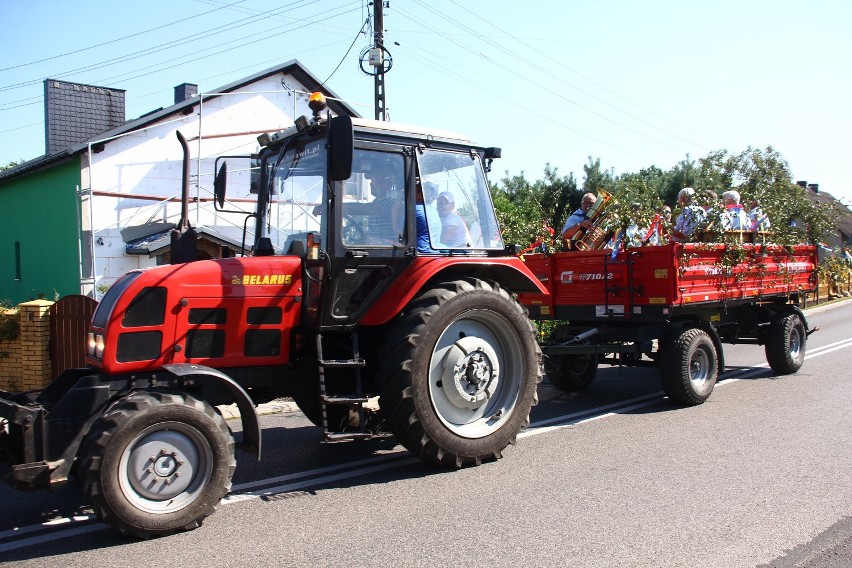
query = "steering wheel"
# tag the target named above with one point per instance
(352, 231)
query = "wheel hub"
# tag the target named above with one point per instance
(160, 465)
(470, 372)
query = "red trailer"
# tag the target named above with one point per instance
(672, 306)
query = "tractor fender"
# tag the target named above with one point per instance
(248, 414)
(509, 272)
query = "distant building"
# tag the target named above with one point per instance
(843, 236)
(102, 199)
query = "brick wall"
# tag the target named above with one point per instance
(25, 363)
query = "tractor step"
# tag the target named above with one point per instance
(342, 363)
(343, 399)
(337, 436)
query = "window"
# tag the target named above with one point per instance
(456, 193)
(18, 261)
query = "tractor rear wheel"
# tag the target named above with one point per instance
(461, 368)
(157, 463)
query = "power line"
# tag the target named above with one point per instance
(182, 60)
(168, 45)
(592, 81)
(118, 39)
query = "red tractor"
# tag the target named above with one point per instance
(377, 273)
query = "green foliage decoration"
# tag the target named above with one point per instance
(10, 327)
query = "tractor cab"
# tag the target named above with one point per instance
(360, 200)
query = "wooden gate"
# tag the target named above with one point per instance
(69, 319)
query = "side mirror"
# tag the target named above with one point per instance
(340, 147)
(219, 184)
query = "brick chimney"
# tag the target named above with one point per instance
(74, 113)
(185, 91)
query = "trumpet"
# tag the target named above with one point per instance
(595, 236)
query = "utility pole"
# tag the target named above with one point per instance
(378, 44)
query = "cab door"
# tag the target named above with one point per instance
(371, 240)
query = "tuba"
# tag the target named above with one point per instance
(595, 236)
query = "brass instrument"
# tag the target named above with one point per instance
(595, 236)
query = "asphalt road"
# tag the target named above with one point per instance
(759, 475)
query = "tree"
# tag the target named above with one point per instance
(524, 208)
(764, 176)
(11, 164)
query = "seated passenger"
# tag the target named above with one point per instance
(734, 218)
(454, 232)
(424, 229)
(758, 220)
(690, 218)
(579, 219)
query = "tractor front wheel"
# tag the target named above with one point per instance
(157, 463)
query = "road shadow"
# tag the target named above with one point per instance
(295, 464)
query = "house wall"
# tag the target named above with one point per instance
(44, 224)
(148, 163)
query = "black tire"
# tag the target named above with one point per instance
(137, 453)
(785, 344)
(689, 367)
(571, 373)
(461, 367)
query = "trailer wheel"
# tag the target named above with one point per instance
(571, 373)
(689, 367)
(157, 463)
(785, 344)
(461, 368)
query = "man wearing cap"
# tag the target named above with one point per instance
(454, 232)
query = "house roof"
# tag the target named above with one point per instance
(844, 215)
(159, 238)
(292, 67)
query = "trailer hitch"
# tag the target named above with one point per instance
(810, 331)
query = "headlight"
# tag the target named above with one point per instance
(95, 345)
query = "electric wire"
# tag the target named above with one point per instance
(590, 80)
(532, 81)
(162, 47)
(549, 74)
(182, 60)
(123, 38)
(361, 31)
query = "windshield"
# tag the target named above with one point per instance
(457, 202)
(296, 195)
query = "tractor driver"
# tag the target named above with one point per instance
(384, 214)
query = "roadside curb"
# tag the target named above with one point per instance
(278, 406)
(827, 304)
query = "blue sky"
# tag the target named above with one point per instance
(632, 83)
